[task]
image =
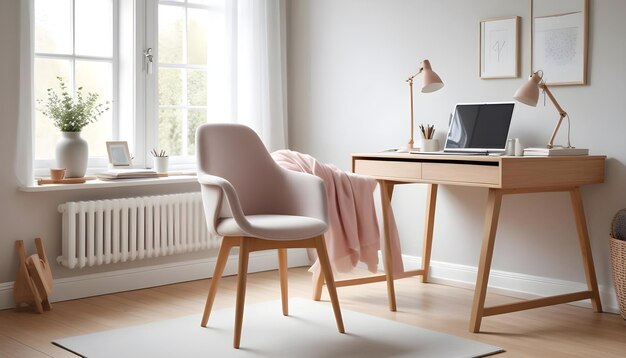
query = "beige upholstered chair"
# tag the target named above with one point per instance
(257, 205)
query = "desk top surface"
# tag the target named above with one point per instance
(504, 172)
(472, 157)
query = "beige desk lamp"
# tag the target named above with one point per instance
(431, 82)
(528, 94)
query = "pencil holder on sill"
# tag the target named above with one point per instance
(161, 164)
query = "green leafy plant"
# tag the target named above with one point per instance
(71, 114)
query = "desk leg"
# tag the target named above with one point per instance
(489, 237)
(585, 248)
(429, 223)
(386, 191)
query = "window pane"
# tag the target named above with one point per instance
(170, 130)
(97, 77)
(196, 118)
(170, 86)
(46, 72)
(196, 88)
(94, 27)
(212, 3)
(197, 36)
(171, 22)
(53, 26)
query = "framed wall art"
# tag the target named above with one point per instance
(499, 48)
(559, 40)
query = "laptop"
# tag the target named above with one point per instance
(478, 128)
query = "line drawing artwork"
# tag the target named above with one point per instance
(499, 55)
(498, 47)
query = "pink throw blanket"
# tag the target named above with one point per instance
(353, 233)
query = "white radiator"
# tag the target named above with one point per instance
(120, 230)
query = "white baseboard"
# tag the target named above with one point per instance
(149, 276)
(509, 283)
(501, 282)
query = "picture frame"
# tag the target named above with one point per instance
(119, 155)
(560, 40)
(499, 48)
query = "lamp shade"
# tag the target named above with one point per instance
(528, 93)
(431, 81)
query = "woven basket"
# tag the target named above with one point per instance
(618, 261)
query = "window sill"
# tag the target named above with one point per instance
(97, 184)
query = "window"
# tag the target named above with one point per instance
(74, 39)
(191, 71)
(100, 45)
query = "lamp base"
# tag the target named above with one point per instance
(552, 152)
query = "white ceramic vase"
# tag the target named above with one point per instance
(72, 153)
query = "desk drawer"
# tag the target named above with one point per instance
(465, 173)
(383, 169)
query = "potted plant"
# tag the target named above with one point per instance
(71, 115)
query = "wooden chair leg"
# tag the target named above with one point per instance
(222, 258)
(282, 272)
(318, 283)
(322, 254)
(244, 253)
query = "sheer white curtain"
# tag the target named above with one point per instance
(25, 149)
(257, 63)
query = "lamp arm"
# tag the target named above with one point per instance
(562, 113)
(410, 79)
(409, 146)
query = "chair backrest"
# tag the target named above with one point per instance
(236, 153)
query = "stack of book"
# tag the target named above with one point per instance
(113, 174)
(551, 152)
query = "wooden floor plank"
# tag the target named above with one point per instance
(10, 348)
(556, 331)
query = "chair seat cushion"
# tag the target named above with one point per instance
(274, 227)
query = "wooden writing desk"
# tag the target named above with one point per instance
(502, 175)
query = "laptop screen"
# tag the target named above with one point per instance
(479, 127)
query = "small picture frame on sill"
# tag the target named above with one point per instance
(119, 156)
(499, 48)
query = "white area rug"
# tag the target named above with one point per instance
(309, 331)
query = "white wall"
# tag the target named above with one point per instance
(348, 61)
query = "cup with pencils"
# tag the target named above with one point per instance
(429, 143)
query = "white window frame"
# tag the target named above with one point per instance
(41, 166)
(185, 161)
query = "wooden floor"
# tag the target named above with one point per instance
(557, 331)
